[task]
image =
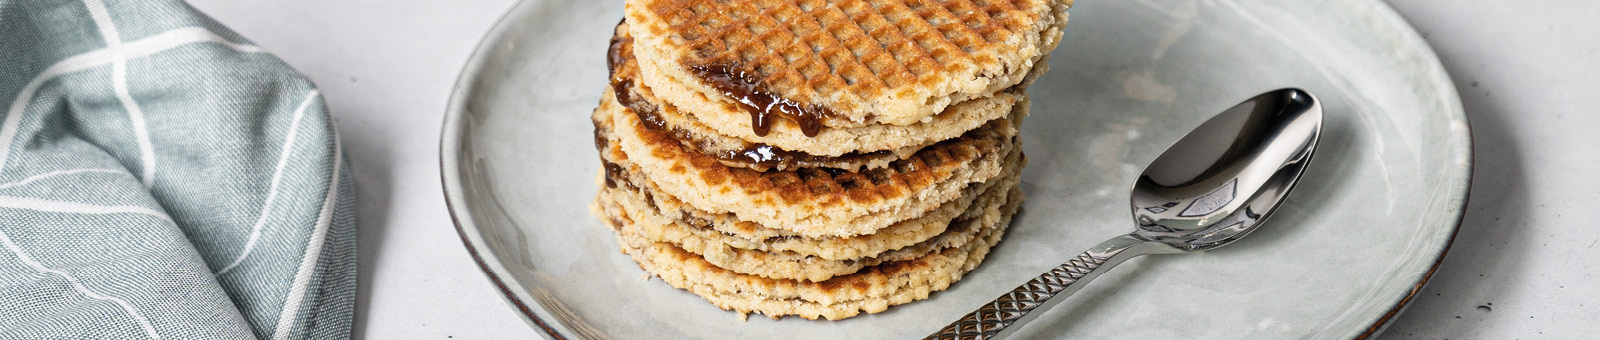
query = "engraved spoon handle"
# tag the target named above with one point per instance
(992, 320)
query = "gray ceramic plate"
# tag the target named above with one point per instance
(1369, 223)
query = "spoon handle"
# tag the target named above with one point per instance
(991, 320)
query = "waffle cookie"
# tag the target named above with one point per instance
(660, 218)
(838, 63)
(817, 158)
(872, 289)
(727, 133)
(818, 202)
(903, 263)
(691, 225)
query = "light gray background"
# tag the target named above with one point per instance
(1523, 266)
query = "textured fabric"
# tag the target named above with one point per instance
(161, 177)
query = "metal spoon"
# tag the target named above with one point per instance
(1210, 188)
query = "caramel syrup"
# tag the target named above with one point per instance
(761, 155)
(613, 173)
(764, 106)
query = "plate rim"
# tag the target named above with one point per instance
(1463, 189)
(461, 218)
(450, 141)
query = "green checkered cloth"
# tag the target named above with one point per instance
(161, 177)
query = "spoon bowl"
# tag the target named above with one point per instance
(1219, 182)
(1207, 190)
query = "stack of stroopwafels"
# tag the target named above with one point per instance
(817, 158)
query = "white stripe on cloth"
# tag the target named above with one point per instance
(308, 264)
(78, 208)
(38, 177)
(119, 85)
(272, 187)
(133, 50)
(38, 204)
(143, 323)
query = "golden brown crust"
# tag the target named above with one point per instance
(727, 229)
(815, 202)
(866, 61)
(850, 149)
(954, 225)
(872, 289)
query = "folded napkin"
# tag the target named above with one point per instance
(161, 177)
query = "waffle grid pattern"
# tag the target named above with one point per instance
(811, 49)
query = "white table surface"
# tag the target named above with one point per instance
(1525, 264)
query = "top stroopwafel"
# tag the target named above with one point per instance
(840, 63)
(726, 133)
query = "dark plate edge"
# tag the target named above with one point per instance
(505, 292)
